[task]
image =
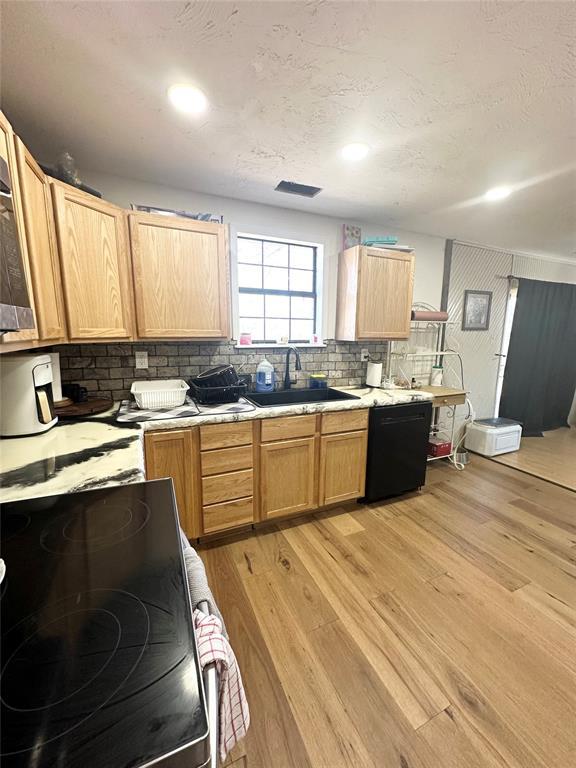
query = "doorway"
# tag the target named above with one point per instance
(506, 333)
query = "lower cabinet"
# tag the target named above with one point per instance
(342, 467)
(173, 453)
(228, 514)
(288, 477)
(231, 475)
(227, 468)
(227, 487)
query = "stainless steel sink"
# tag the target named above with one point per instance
(296, 396)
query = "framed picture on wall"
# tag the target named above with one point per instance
(351, 235)
(476, 312)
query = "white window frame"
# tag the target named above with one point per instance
(236, 290)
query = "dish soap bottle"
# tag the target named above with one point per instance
(265, 377)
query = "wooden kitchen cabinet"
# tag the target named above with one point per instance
(226, 460)
(375, 289)
(288, 427)
(227, 468)
(227, 487)
(344, 421)
(226, 435)
(42, 248)
(181, 277)
(27, 337)
(95, 263)
(288, 477)
(234, 474)
(174, 453)
(229, 514)
(342, 467)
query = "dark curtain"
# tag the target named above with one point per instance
(540, 375)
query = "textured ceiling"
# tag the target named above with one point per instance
(453, 98)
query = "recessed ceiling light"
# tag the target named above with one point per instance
(355, 151)
(498, 193)
(188, 98)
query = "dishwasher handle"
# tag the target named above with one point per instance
(211, 686)
(391, 419)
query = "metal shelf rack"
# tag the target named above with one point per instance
(428, 358)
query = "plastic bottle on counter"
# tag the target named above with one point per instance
(265, 377)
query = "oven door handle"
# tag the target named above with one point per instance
(210, 675)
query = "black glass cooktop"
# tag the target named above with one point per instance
(98, 661)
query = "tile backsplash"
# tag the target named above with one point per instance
(108, 369)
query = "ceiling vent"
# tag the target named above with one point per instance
(291, 188)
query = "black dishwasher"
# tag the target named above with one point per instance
(397, 449)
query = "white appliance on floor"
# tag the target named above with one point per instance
(491, 437)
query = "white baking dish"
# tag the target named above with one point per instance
(165, 393)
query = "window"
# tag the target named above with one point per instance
(277, 283)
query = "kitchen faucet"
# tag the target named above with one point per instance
(298, 366)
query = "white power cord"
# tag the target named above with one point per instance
(467, 421)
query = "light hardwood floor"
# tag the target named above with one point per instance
(551, 457)
(433, 631)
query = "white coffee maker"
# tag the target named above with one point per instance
(26, 400)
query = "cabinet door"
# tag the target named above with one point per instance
(385, 290)
(180, 277)
(174, 453)
(42, 252)
(342, 467)
(94, 257)
(7, 154)
(288, 477)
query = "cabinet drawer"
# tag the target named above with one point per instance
(443, 400)
(232, 485)
(225, 435)
(288, 427)
(230, 514)
(226, 460)
(344, 421)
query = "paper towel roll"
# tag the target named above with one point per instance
(422, 315)
(374, 374)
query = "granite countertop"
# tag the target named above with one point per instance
(367, 397)
(73, 456)
(99, 452)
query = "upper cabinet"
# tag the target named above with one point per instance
(86, 272)
(8, 155)
(375, 289)
(95, 262)
(181, 277)
(42, 250)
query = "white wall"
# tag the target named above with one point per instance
(481, 269)
(274, 221)
(553, 271)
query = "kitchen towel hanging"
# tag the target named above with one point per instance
(234, 715)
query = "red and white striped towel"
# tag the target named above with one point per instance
(234, 715)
